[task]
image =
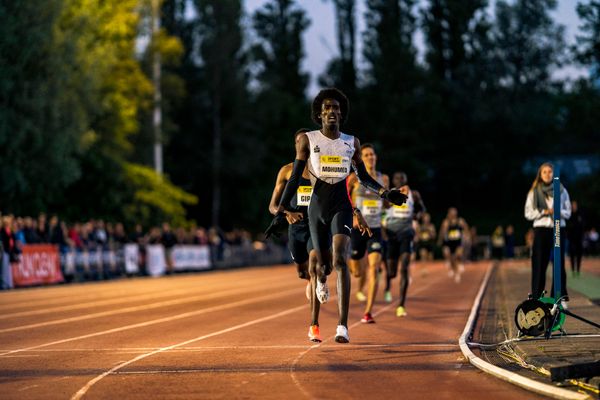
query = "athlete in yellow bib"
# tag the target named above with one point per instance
(452, 235)
(329, 155)
(370, 206)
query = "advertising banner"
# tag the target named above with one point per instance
(189, 257)
(39, 264)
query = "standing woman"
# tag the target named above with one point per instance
(539, 209)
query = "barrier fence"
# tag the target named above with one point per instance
(48, 264)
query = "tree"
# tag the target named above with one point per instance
(529, 43)
(341, 71)
(223, 70)
(43, 117)
(280, 24)
(279, 99)
(393, 82)
(588, 44)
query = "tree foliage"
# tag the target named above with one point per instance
(462, 119)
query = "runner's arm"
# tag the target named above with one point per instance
(394, 196)
(302, 154)
(419, 205)
(282, 179)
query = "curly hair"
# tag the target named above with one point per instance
(330, 93)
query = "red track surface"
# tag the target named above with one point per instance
(237, 334)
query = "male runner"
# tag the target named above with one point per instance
(452, 232)
(370, 206)
(329, 155)
(399, 227)
(299, 243)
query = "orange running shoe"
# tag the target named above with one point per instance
(313, 334)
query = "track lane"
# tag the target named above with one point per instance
(418, 355)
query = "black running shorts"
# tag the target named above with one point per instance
(322, 231)
(361, 243)
(400, 243)
(299, 243)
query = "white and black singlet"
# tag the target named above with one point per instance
(329, 164)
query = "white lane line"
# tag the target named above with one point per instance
(27, 387)
(212, 348)
(129, 309)
(199, 371)
(526, 383)
(157, 321)
(292, 368)
(25, 297)
(81, 392)
(97, 303)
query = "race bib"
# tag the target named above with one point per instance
(371, 207)
(454, 234)
(334, 166)
(303, 195)
(425, 235)
(402, 211)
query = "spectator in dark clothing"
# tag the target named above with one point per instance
(575, 231)
(509, 239)
(169, 240)
(119, 235)
(29, 230)
(42, 229)
(9, 241)
(56, 233)
(9, 253)
(138, 237)
(200, 237)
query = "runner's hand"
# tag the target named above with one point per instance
(362, 225)
(292, 217)
(277, 225)
(395, 196)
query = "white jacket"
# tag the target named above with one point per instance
(547, 221)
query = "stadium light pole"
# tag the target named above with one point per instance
(157, 112)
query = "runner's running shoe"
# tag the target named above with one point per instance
(361, 296)
(322, 292)
(313, 334)
(387, 296)
(367, 319)
(401, 312)
(341, 334)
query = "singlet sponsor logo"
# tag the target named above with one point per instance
(316, 149)
(331, 159)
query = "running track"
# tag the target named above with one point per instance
(238, 334)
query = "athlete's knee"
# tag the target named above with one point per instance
(339, 261)
(405, 259)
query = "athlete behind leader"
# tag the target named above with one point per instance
(330, 155)
(299, 243)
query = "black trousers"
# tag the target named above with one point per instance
(543, 246)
